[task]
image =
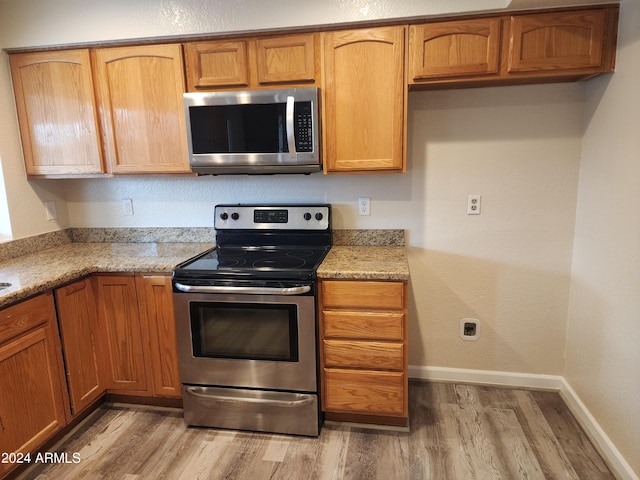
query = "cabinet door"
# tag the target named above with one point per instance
(140, 95)
(557, 41)
(454, 49)
(365, 100)
(289, 59)
(121, 333)
(33, 399)
(77, 316)
(57, 112)
(216, 64)
(156, 309)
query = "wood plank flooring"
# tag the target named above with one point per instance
(457, 432)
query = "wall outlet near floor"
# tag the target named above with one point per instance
(364, 206)
(50, 209)
(470, 329)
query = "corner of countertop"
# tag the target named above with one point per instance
(369, 237)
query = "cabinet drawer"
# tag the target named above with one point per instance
(363, 325)
(24, 316)
(370, 355)
(373, 393)
(359, 294)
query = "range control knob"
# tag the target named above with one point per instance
(224, 215)
(235, 216)
(319, 216)
(307, 216)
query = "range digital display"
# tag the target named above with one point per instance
(270, 216)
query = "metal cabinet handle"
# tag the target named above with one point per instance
(299, 402)
(247, 290)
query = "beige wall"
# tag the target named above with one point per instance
(513, 267)
(603, 345)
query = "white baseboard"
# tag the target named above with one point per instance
(486, 377)
(540, 382)
(596, 433)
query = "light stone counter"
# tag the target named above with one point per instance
(365, 263)
(37, 264)
(37, 272)
(366, 255)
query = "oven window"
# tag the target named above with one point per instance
(245, 331)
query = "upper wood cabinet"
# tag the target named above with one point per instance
(57, 112)
(140, 97)
(365, 98)
(514, 49)
(33, 403)
(266, 62)
(455, 48)
(558, 41)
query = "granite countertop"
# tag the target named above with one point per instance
(362, 262)
(37, 272)
(37, 264)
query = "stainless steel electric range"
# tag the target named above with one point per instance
(246, 320)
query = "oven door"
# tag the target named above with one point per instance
(254, 341)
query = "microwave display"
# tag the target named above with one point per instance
(249, 128)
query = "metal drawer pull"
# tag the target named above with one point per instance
(249, 290)
(301, 401)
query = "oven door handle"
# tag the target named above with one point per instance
(247, 290)
(303, 399)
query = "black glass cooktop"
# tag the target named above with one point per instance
(254, 262)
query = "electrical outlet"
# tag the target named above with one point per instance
(50, 209)
(470, 329)
(473, 204)
(364, 206)
(127, 206)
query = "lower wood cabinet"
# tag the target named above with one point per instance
(116, 335)
(33, 402)
(136, 321)
(79, 331)
(121, 334)
(363, 351)
(155, 297)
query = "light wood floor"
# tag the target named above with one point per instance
(457, 432)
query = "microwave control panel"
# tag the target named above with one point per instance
(303, 127)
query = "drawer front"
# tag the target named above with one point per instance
(369, 355)
(369, 393)
(24, 316)
(363, 325)
(362, 294)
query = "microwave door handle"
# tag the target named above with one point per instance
(291, 141)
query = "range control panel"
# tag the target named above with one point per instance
(272, 217)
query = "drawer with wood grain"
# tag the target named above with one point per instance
(24, 316)
(363, 325)
(369, 355)
(369, 393)
(363, 294)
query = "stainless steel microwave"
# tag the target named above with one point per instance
(254, 131)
